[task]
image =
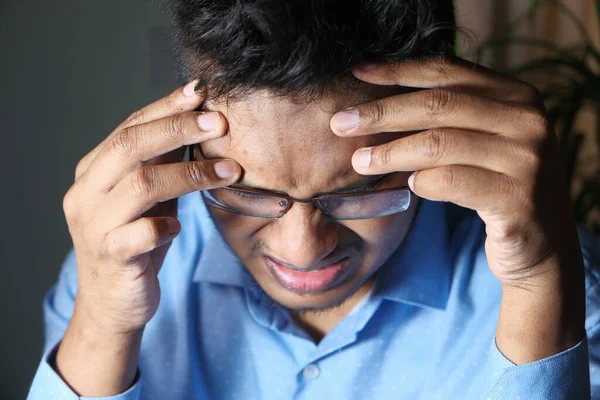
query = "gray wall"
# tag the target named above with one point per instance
(70, 72)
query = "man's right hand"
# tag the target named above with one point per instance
(121, 213)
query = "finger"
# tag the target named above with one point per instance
(453, 73)
(127, 242)
(186, 98)
(147, 186)
(470, 187)
(441, 108)
(439, 147)
(133, 146)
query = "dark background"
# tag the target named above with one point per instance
(71, 71)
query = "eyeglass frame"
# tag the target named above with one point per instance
(314, 200)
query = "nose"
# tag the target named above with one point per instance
(303, 237)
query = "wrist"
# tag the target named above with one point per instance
(542, 317)
(98, 321)
(95, 362)
(89, 332)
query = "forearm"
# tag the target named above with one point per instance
(543, 319)
(96, 364)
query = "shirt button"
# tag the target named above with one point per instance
(311, 371)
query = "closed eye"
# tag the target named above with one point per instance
(364, 187)
(246, 195)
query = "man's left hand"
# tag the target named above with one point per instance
(485, 142)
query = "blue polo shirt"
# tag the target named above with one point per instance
(425, 331)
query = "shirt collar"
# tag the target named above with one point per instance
(419, 272)
(216, 263)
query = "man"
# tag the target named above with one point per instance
(304, 258)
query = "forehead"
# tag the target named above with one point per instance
(286, 146)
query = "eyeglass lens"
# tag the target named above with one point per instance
(371, 205)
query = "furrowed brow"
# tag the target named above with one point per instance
(241, 185)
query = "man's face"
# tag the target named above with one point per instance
(290, 148)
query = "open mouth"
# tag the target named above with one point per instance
(306, 281)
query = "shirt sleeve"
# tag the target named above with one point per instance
(561, 376)
(58, 309)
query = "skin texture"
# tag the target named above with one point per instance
(121, 215)
(290, 148)
(487, 144)
(483, 142)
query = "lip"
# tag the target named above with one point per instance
(306, 281)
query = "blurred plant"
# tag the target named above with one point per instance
(569, 79)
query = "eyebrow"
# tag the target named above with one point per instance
(364, 183)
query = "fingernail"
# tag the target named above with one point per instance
(225, 169)
(190, 89)
(362, 158)
(207, 121)
(173, 226)
(411, 179)
(346, 120)
(366, 66)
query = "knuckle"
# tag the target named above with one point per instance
(530, 160)
(69, 207)
(536, 121)
(81, 167)
(114, 246)
(136, 118)
(445, 62)
(441, 64)
(383, 155)
(142, 182)
(377, 113)
(118, 248)
(505, 184)
(438, 101)
(435, 144)
(152, 232)
(449, 178)
(175, 126)
(195, 174)
(532, 94)
(505, 231)
(123, 143)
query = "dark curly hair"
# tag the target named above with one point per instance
(301, 47)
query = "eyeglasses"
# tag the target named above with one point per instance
(265, 204)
